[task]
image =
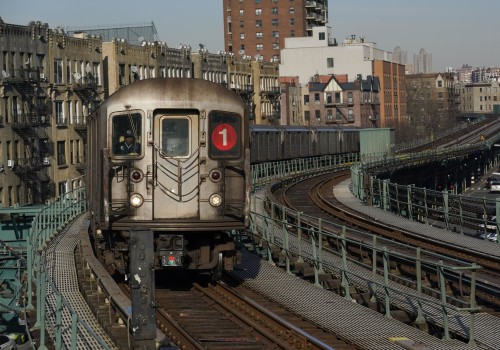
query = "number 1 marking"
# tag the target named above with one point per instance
(223, 132)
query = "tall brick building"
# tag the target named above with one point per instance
(259, 27)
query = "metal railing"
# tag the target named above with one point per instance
(302, 236)
(48, 223)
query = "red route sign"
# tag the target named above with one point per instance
(224, 137)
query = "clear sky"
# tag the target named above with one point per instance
(455, 32)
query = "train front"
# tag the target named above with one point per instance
(175, 161)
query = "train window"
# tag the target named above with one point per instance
(175, 137)
(126, 134)
(225, 135)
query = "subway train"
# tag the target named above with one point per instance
(169, 157)
(274, 143)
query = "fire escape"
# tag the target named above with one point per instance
(87, 92)
(30, 122)
(272, 96)
(246, 93)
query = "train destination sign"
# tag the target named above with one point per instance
(224, 137)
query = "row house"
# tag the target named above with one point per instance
(49, 84)
(355, 104)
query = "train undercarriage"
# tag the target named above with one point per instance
(204, 252)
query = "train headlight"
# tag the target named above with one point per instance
(136, 200)
(215, 200)
(215, 175)
(136, 175)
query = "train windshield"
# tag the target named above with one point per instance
(175, 137)
(126, 134)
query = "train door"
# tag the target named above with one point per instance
(176, 165)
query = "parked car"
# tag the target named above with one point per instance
(495, 186)
(490, 179)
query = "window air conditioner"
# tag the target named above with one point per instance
(46, 161)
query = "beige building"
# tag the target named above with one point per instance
(49, 84)
(478, 98)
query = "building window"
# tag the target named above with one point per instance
(329, 99)
(276, 46)
(292, 21)
(349, 97)
(292, 33)
(329, 62)
(440, 83)
(258, 1)
(241, 13)
(292, 10)
(242, 36)
(258, 12)
(258, 23)
(274, 22)
(95, 72)
(306, 99)
(60, 119)
(61, 152)
(242, 24)
(440, 95)
(70, 112)
(121, 73)
(322, 36)
(318, 114)
(306, 115)
(259, 35)
(58, 71)
(329, 114)
(316, 98)
(62, 188)
(260, 47)
(276, 34)
(274, 10)
(350, 115)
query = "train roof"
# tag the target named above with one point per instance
(172, 90)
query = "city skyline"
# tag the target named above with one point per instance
(439, 27)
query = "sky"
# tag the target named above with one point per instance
(455, 32)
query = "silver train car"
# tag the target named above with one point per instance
(274, 143)
(170, 155)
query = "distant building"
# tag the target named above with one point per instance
(432, 102)
(358, 59)
(464, 74)
(485, 74)
(344, 104)
(422, 62)
(260, 27)
(479, 98)
(400, 56)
